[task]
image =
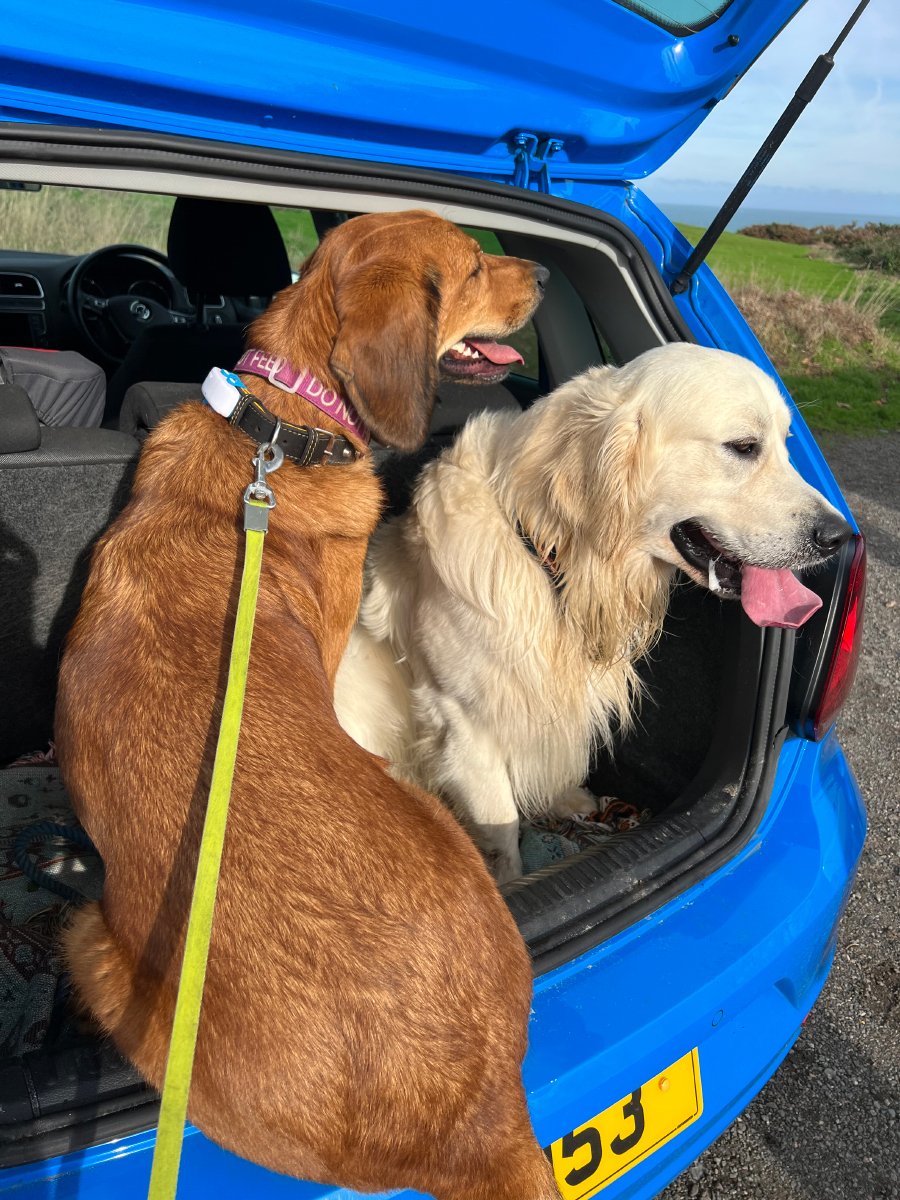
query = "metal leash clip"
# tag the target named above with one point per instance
(258, 495)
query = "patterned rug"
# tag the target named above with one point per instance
(546, 840)
(32, 988)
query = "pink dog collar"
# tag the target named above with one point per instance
(279, 372)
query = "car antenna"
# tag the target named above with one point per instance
(815, 77)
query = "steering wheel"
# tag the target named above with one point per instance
(124, 316)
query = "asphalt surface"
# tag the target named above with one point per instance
(827, 1125)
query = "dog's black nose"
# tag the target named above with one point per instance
(541, 275)
(830, 534)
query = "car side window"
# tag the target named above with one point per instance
(605, 353)
(74, 220)
(299, 233)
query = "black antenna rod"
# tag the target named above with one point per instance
(817, 75)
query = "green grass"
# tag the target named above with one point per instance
(841, 380)
(60, 220)
(745, 259)
(780, 265)
(849, 399)
(299, 233)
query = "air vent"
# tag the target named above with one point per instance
(19, 285)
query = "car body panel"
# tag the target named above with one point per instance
(731, 966)
(405, 84)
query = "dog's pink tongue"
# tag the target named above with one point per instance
(776, 598)
(501, 355)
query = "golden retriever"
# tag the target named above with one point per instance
(365, 1011)
(506, 609)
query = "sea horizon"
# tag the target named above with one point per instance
(702, 215)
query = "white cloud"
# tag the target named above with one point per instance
(848, 138)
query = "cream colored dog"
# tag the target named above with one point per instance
(504, 612)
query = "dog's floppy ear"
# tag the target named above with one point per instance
(599, 471)
(620, 479)
(386, 347)
(601, 476)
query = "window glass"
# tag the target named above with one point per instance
(681, 16)
(298, 232)
(605, 354)
(67, 220)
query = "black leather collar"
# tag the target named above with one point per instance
(302, 444)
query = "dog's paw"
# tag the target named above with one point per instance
(576, 801)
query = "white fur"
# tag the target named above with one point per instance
(468, 670)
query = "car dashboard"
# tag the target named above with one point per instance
(98, 303)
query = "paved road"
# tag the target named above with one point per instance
(827, 1126)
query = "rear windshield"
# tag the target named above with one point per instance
(681, 16)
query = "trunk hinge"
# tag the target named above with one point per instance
(531, 153)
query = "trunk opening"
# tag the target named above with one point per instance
(701, 757)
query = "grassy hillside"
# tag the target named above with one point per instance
(299, 233)
(740, 258)
(832, 330)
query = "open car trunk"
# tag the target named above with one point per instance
(701, 757)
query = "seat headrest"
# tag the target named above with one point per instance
(146, 403)
(19, 428)
(227, 247)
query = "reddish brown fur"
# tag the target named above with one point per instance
(367, 996)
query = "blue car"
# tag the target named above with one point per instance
(675, 962)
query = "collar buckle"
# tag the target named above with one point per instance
(268, 458)
(328, 452)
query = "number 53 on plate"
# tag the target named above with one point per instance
(594, 1154)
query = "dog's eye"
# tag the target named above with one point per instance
(476, 270)
(746, 447)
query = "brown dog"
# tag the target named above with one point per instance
(367, 996)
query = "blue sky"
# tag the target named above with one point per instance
(843, 155)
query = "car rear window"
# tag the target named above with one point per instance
(680, 16)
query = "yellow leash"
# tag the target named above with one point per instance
(258, 499)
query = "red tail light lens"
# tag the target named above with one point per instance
(845, 656)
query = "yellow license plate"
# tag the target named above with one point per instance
(595, 1154)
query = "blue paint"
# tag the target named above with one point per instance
(399, 83)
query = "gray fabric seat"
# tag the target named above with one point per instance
(64, 387)
(146, 403)
(59, 489)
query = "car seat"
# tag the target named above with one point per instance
(59, 489)
(216, 248)
(64, 387)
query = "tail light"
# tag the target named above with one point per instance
(844, 658)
